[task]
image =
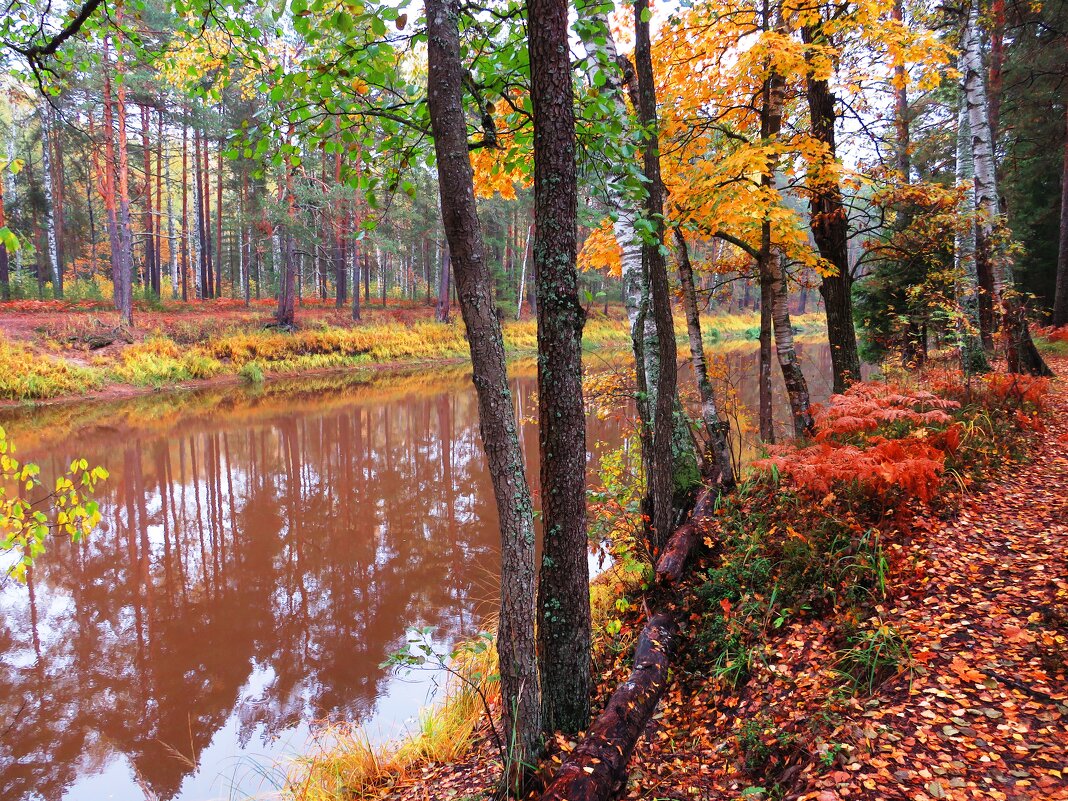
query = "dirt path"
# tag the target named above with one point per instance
(985, 712)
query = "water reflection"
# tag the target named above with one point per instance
(260, 556)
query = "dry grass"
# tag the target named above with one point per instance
(348, 767)
(185, 351)
(29, 375)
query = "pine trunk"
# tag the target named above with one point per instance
(149, 223)
(124, 296)
(1060, 302)
(50, 197)
(564, 580)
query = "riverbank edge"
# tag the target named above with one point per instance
(257, 372)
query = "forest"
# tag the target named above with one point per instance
(533, 400)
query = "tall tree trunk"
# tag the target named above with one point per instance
(830, 229)
(716, 430)
(1021, 354)
(637, 298)
(793, 377)
(198, 214)
(5, 277)
(766, 412)
(287, 282)
(528, 243)
(124, 299)
(662, 482)
(564, 579)
(149, 222)
(972, 354)
(50, 194)
(774, 290)
(108, 184)
(218, 218)
(158, 233)
(1060, 302)
(185, 210)
(441, 313)
(172, 244)
(340, 262)
(515, 635)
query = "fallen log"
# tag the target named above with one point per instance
(599, 764)
(672, 562)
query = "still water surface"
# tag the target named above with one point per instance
(262, 553)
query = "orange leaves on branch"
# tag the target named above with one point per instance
(601, 251)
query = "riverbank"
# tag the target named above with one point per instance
(887, 608)
(46, 355)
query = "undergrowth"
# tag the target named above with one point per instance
(816, 530)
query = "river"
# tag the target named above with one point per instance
(262, 551)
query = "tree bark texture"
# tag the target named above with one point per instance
(1021, 355)
(1060, 302)
(719, 466)
(564, 578)
(662, 481)
(830, 229)
(515, 635)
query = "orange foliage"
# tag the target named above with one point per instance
(601, 251)
(908, 455)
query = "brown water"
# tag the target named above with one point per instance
(262, 553)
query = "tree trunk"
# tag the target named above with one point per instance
(50, 194)
(108, 188)
(716, 430)
(515, 635)
(218, 217)
(149, 223)
(662, 482)
(1060, 302)
(198, 219)
(158, 234)
(124, 297)
(972, 355)
(185, 210)
(1021, 355)
(564, 579)
(527, 245)
(285, 314)
(441, 314)
(5, 277)
(766, 411)
(793, 377)
(830, 229)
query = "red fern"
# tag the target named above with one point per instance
(877, 437)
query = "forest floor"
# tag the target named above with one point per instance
(967, 646)
(979, 708)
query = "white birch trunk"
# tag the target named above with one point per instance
(972, 357)
(50, 206)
